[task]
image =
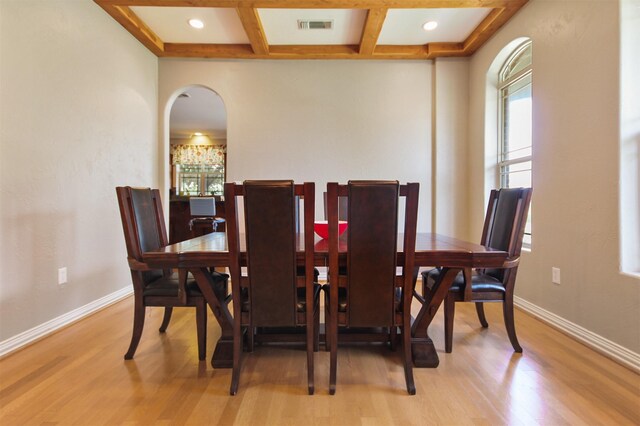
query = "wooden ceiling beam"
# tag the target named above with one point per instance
(502, 11)
(253, 27)
(488, 27)
(245, 51)
(318, 4)
(136, 27)
(371, 32)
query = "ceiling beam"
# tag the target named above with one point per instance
(253, 27)
(320, 4)
(502, 11)
(371, 31)
(245, 51)
(136, 27)
(488, 27)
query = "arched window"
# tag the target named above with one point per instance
(514, 123)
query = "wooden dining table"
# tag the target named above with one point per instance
(198, 255)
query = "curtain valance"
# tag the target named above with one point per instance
(208, 155)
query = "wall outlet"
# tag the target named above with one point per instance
(62, 275)
(555, 275)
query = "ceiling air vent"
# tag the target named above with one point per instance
(314, 25)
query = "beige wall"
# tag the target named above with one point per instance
(78, 116)
(451, 115)
(318, 121)
(576, 174)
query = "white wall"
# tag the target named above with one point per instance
(78, 116)
(575, 164)
(318, 121)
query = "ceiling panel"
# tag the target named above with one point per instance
(281, 26)
(268, 29)
(404, 26)
(171, 24)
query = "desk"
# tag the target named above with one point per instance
(197, 254)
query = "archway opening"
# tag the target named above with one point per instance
(197, 155)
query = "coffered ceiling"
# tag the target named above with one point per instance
(271, 29)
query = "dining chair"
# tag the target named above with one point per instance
(366, 291)
(503, 229)
(144, 230)
(276, 291)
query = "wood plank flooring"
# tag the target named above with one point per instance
(78, 376)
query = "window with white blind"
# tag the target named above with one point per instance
(515, 120)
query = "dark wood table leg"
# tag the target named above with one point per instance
(422, 348)
(223, 353)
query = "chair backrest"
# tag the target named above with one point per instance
(143, 224)
(505, 221)
(270, 211)
(372, 245)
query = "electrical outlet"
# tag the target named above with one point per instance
(555, 275)
(62, 275)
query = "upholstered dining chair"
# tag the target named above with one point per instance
(503, 229)
(366, 290)
(277, 290)
(144, 230)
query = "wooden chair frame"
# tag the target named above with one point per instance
(132, 230)
(244, 319)
(397, 317)
(510, 269)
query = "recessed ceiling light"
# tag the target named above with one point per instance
(430, 26)
(196, 23)
(197, 134)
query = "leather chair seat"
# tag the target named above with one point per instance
(479, 282)
(168, 286)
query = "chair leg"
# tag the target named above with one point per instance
(237, 351)
(316, 329)
(393, 337)
(311, 342)
(408, 361)
(332, 341)
(507, 310)
(138, 325)
(168, 310)
(327, 321)
(201, 328)
(449, 313)
(251, 334)
(333, 364)
(481, 317)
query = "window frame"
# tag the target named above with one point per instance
(505, 81)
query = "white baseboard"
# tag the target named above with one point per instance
(612, 350)
(14, 343)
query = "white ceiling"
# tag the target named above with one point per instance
(223, 26)
(404, 26)
(171, 24)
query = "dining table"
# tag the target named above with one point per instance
(198, 255)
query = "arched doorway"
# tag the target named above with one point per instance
(197, 154)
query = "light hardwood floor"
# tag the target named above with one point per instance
(78, 376)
